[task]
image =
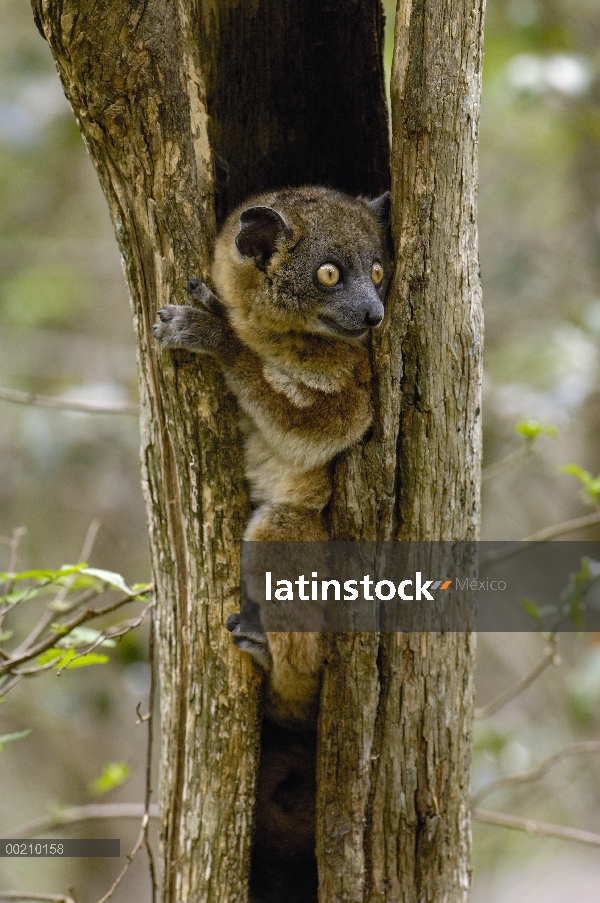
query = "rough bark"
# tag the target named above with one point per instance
(282, 93)
(131, 74)
(393, 773)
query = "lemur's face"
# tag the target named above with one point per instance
(320, 260)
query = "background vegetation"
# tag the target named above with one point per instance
(65, 330)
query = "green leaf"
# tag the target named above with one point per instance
(50, 655)
(90, 658)
(114, 774)
(591, 485)
(65, 658)
(19, 595)
(44, 575)
(5, 635)
(114, 580)
(582, 475)
(531, 609)
(531, 429)
(81, 636)
(9, 738)
(487, 737)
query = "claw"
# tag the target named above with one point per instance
(233, 622)
(194, 285)
(250, 640)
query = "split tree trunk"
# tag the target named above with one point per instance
(289, 93)
(393, 778)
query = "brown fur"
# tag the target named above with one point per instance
(294, 355)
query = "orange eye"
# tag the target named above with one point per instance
(376, 273)
(328, 274)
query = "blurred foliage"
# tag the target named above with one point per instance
(65, 329)
(590, 494)
(114, 774)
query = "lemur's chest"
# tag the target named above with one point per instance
(299, 386)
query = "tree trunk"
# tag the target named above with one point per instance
(393, 776)
(282, 93)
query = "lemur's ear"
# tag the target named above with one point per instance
(381, 208)
(260, 230)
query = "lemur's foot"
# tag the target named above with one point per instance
(250, 639)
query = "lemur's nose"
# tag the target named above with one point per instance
(373, 319)
(374, 314)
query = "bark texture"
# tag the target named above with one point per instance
(393, 773)
(277, 93)
(286, 93)
(131, 74)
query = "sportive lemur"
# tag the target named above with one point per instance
(300, 276)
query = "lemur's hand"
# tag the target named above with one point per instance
(198, 329)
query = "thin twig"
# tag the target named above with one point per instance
(77, 814)
(550, 658)
(138, 712)
(111, 633)
(498, 467)
(536, 773)
(68, 404)
(548, 533)
(13, 542)
(68, 626)
(62, 594)
(129, 857)
(84, 556)
(536, 827)
(568, 526)
(52, 898)
(23, 648)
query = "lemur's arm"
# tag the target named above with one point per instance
(330, 419)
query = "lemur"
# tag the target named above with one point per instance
(300, 277)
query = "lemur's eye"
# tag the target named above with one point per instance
(328, 274)
(376, 273)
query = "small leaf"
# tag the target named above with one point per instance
(50, 655)
(531, 429)
(114, 774)
(114, 580)
(9, 738)
(44, 575)
(65, 658)
(530, 608)
(591, 485)
(90, 658)
(83, 636)
(5, 635)
(60, 605)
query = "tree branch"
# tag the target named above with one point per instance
(498, 467)
(568, 526)
(536, 773)
(52, 898)
(536, 827)
(67, 404)
(77, 814)
(550, 658)
(76, 621)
